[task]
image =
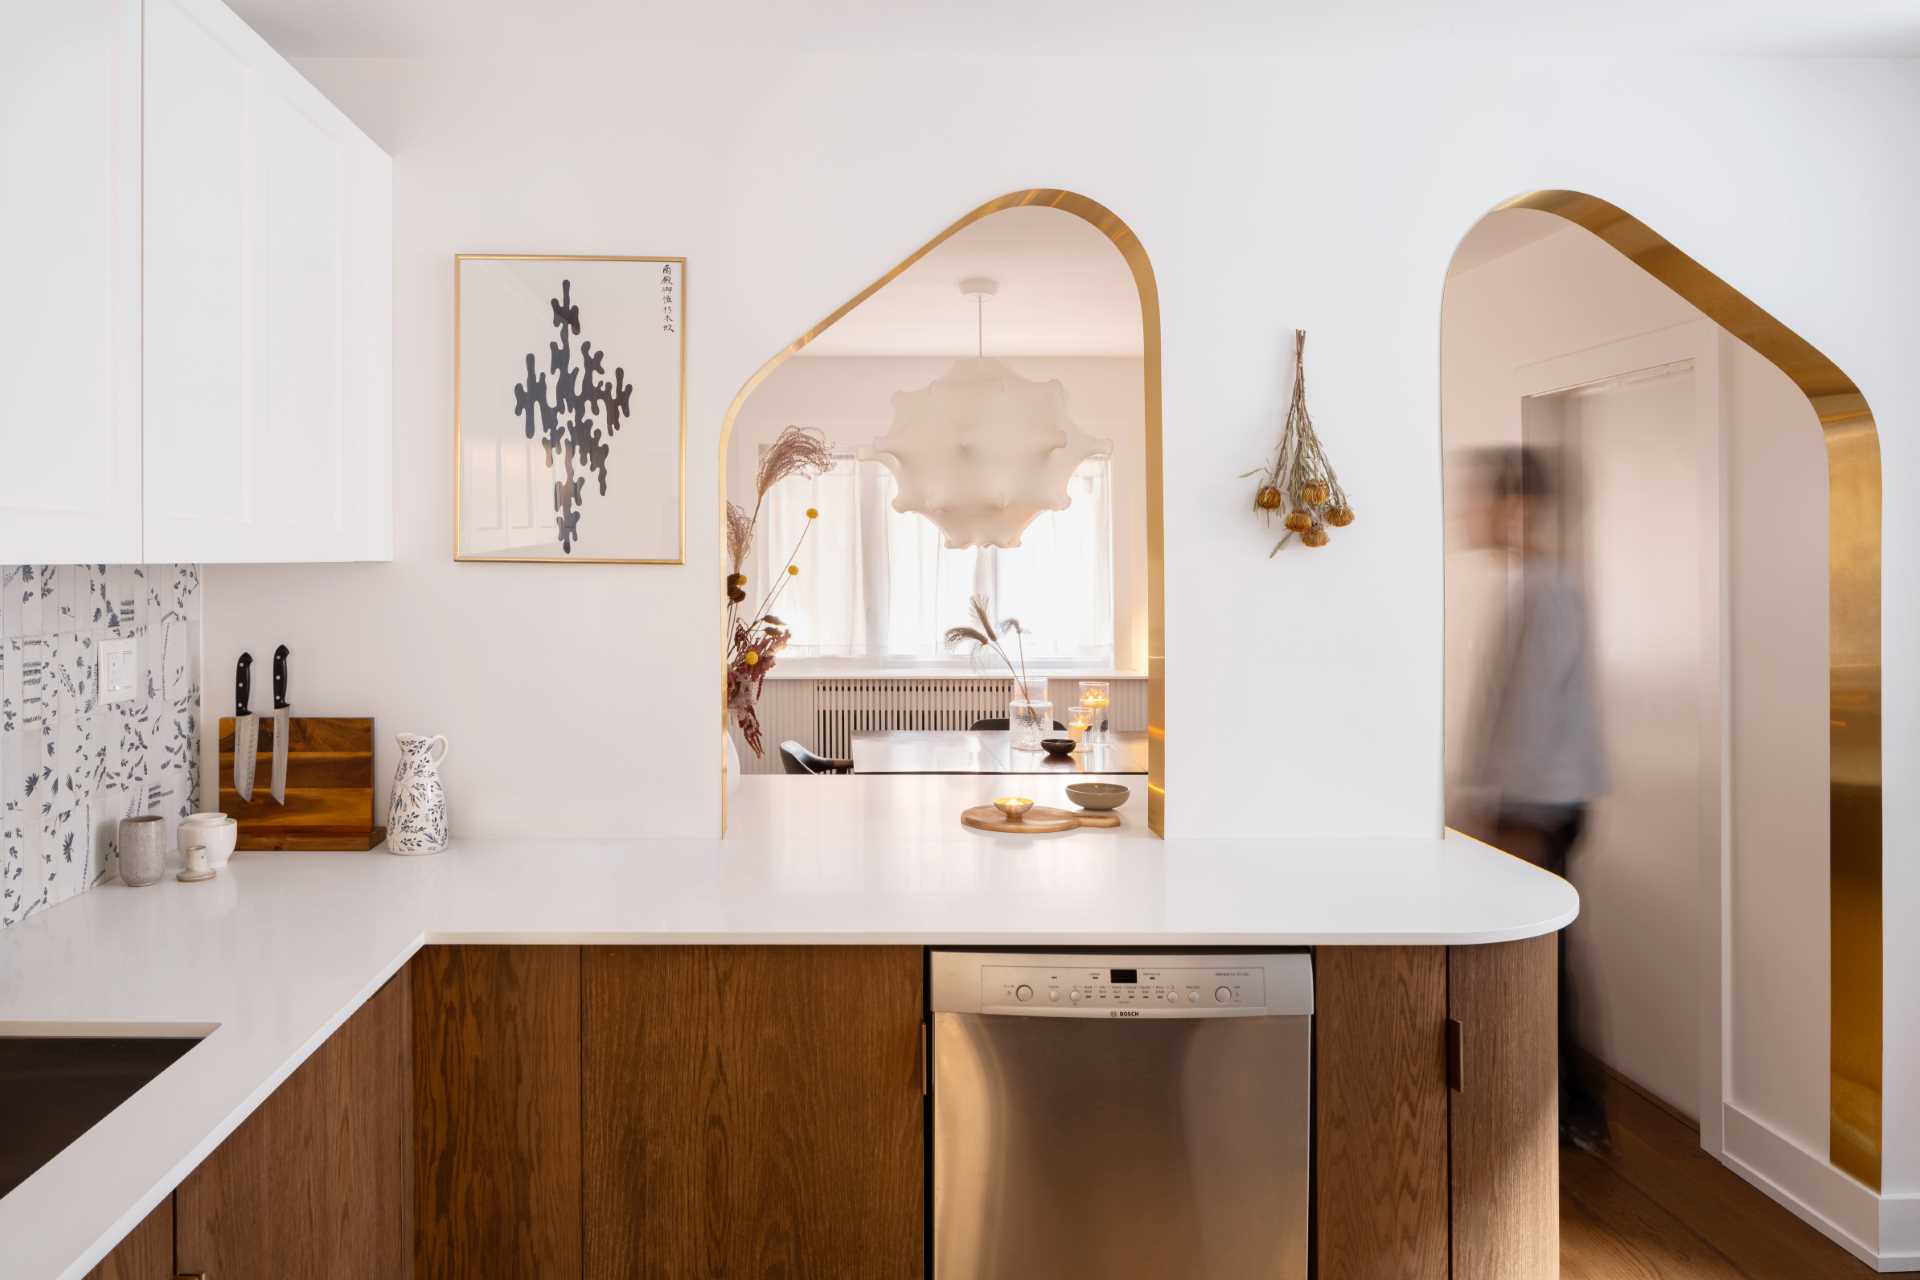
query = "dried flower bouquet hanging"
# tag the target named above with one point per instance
(754, 641)
(1300, 482)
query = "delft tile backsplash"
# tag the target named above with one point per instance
(71, 767)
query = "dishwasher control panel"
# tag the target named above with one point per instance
(1140, 990)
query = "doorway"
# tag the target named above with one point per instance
(1568, 324)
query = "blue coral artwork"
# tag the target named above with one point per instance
(570, 409)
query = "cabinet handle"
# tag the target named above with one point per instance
(1456, 1057)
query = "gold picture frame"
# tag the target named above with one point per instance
(572, 521)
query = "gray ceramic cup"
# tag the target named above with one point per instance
(143, 849)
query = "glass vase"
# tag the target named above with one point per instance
(1028, 721)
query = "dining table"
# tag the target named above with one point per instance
(990, 751)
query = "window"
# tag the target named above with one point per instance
(881, 586)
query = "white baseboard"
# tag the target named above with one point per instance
(1900, 1233)
(1881, 1232)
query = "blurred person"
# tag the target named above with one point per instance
(1539, 760)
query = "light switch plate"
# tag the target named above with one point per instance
(119, 670)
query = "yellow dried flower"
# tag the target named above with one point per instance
(1314, 492)
(1268, 499)
(1315, 537)
(793, 570)
(813, 513)
(1299, 520)
(752, 659)
(1340, 517)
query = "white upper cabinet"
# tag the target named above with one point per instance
(268, 306)
(70, 280)
(196, 341)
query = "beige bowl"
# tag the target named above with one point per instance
(1097, 795)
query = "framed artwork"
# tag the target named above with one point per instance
(569, 409)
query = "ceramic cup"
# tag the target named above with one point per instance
(142, 843)
(196, 865)
(216, 831)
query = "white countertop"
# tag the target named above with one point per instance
(282, 947)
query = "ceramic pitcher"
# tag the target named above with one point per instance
(417, 814)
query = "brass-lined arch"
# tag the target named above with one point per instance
(1853, 627)
(1108, 224)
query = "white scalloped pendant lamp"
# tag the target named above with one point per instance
(982, 451)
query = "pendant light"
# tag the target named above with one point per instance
(982, 451)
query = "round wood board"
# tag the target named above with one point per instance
(1036, 821)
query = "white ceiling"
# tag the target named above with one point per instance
(1064, 290)
(1501, 233)
(415, 28)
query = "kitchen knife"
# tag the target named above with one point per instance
(246, 728)
(281, 713)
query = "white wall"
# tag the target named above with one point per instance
(1325, 190)
(851, 398)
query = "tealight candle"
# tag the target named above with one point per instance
(1014, 807)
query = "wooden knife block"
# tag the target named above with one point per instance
(329, 786)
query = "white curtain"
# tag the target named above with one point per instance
(879, 585)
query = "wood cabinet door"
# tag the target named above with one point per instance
(316, 1184)
(1380, 1113)
(1505, 1116)
(267, 305)
(497, 1126)
(754, 1111)
(70, 278)
(146, 1253)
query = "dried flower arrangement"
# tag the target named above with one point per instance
(754, 641)
(1300, 480)
(984, 636)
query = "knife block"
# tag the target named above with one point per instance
(329, 786)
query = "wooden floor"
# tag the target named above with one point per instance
(1657, 1207)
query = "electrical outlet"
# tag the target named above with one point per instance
(119, 670)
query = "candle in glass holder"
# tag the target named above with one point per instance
(1094, 697)
(1079, 721)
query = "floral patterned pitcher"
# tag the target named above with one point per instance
(417, 815)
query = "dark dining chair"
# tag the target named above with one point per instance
(797, 759)
(1000, 722)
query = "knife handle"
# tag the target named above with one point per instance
(242, 684)
(280, 678)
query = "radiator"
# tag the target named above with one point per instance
(844, 707)
(823, 713)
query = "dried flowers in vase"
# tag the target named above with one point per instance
(753, 641)
(984, 636)
(1300, 486)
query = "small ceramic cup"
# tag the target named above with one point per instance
(216, 831)
(196, 864)
(142, 843)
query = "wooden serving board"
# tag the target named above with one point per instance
(329, 786)
(1039, 820)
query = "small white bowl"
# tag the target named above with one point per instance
(218, 832)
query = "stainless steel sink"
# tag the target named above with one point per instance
(58, 1083)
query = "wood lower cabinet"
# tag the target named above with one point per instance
(669, 1111)
(1505, 1116)
(498, 1123)
(146, 1253)
(316, 1183)
(754, 1111)
(1414, 1179)
(1380, 1113)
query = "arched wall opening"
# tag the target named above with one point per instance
(1128, 245)
(1852, 785)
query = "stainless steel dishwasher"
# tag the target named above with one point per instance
(1119, 1116)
